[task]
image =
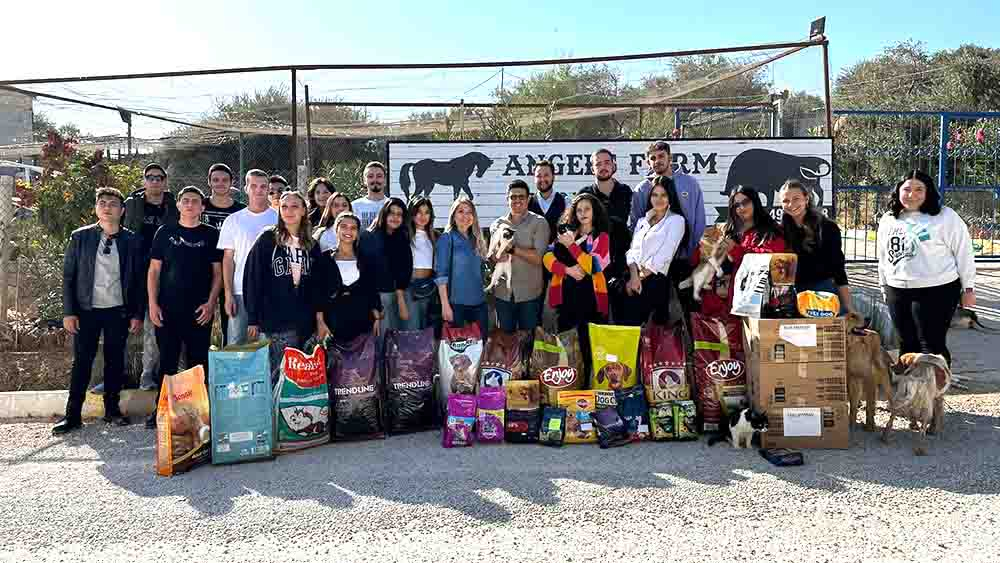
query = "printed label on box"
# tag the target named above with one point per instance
(803, 421)
(800, 335)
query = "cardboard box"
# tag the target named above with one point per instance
(796, 385)
(796, 340)
(824, 426)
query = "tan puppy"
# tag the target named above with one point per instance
(918, 394)
(867, 369)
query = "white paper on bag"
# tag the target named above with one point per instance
(803, 336)
(803, 421)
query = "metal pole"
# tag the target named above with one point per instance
(942, 178)
(309, 160)
(295, 135)
(640, 119)
(130, 138)
(677, 118)
(242, 165)
(461, 119)
(826, 87)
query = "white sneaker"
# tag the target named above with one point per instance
(146, 383)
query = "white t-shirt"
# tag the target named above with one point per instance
(367, 209)
(349, 272)
(423, 251)
(239, 231)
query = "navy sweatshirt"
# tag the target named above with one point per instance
(272, 300)
(389, 257)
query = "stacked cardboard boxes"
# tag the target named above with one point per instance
(798, 376)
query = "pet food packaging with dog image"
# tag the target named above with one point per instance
(553, 429)
(719, 367)
(522, 395)
(556, 363)
(818, 304)
(239, 378)
(662, 360)
(580, 407)
(183, 433)
(504, 359)
(460, 421)
(355, 390)
(521, 426)
(409, 367)
(459, 356)
(490, 415)
(614, 351)
(302, 400)
(661, 422)
(783, 267)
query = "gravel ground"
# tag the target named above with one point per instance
(94, 497)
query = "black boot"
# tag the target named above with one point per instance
(66, 425)
(117, 419)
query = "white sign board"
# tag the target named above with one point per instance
(483, 169)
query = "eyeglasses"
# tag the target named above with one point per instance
(107, 244)
(155, 178)
(518, 197)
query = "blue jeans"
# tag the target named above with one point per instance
(519, 316)
(465, 314)
(276, 351)
(237, 324)
(418, 311)
(390, 307)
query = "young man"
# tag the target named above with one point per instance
(146, 210)
(617, 200)
(220, 205)
(518, 308)
(547, 202)
(239, 231)
(184, 280)
(276, 185)
(368, 207)
(102, 294)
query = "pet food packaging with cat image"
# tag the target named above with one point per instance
(409, 370)
(553, 427)
(459, 355)
(183, 433)
(614, 351)
(719, 367)
(661, 421)
(580, 407)
(611, 429)
(490, 415)
(522, 395)
(355, 390)
(504, 359)
(521, 426)
(556, 363)
(460, 422)
(662, 360)
(685, 420)
(302, 400)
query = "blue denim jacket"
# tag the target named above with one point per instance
(457, 265)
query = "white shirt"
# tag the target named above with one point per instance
(239, 231)
(655, 246)
(348, 271)
(423, 251)
(544, 203)
(107, 276)
(921, 250)
(367, 209)
(328, 240)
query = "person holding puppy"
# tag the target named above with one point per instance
(926, 265)
(518, 307)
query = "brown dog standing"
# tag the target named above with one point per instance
(867, 369)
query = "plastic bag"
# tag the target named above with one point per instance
(751, 285)
(614, 350)
(504, 360)
(459, 355)
(556, 363)
(239, 380)
(460, 422)
(409, 366)
(355, 390)
(663, 363)
(490, 415)
(302, 400)
(719, 368)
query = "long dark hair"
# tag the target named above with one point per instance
(348, 216)
(764, 226)
(416, 202)
(931, 204)
(311, 191)
(600, 214)
(379, 224)
(809, 236)
(673, 203)
(328, 217)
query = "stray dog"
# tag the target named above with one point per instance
(714, 248)
(867, 369)
(501, 244)
(918, 394)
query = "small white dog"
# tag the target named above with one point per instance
(501, 243)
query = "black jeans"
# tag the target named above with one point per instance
(180, 329)
(680, 270)
(923, 315)
(654, 299)
(113, 324)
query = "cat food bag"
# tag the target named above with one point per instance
(409, 367)
(522, 395)
(504, 358)
(720, 371)
(634, 411)
(661, 421)
(783, 268)
(459, 355)
(490, 415)
(302, 400)
(685, 417)
(521, 425)
(580, 407)
(781, 303)
(662, 360)
(183, 431)
(818, 304)
(239, 379)
(750, 285)
(611, 429)
(553, 427)
(614, 350)
(355, 390)
(556, 363)
(460, 421)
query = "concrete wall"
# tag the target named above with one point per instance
(15, 118)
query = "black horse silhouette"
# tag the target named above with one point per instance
(455, 172)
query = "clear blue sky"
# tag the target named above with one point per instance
(121, 37)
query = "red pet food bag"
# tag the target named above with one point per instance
(504, 359)
(720, 370)
(662, 362)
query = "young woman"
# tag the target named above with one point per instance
(926, 265)
(458, 267)
(283, 281)
(577, 260)
(657, 237)
(422, 238)
(816, 240)
(386, 247)
(319, 192)
(351, 304)
(336, 204)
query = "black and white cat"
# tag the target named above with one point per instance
(742, 425)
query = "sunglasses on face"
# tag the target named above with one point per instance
(155, 178)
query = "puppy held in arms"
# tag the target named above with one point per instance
(741, 428)
(714, 247)
(501, 244)
(918, 394)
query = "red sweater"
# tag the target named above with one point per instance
(712, 305)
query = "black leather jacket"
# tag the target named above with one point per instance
(78, 271)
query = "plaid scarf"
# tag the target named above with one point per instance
(588, 256)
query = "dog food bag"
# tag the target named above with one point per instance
(750, 285)
(661, 421)
(783, 268)
(521, 425)
(356, 390)
(522, 395)
(504, 360)
(409, 366)
(239, 379)
(614, 350)
(818, 304)
(183, 433)
(662, 359)
(556, 363)
(720, 370)
(634, 410)
(611, 429)
(685, 420)
(459, 355)
(490, 415)
(302, 400)
(460, 421)
(580, 407)
(553, 428)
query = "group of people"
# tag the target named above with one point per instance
(289, 266)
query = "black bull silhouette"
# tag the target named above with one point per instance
(766, 170)
(455, 172)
